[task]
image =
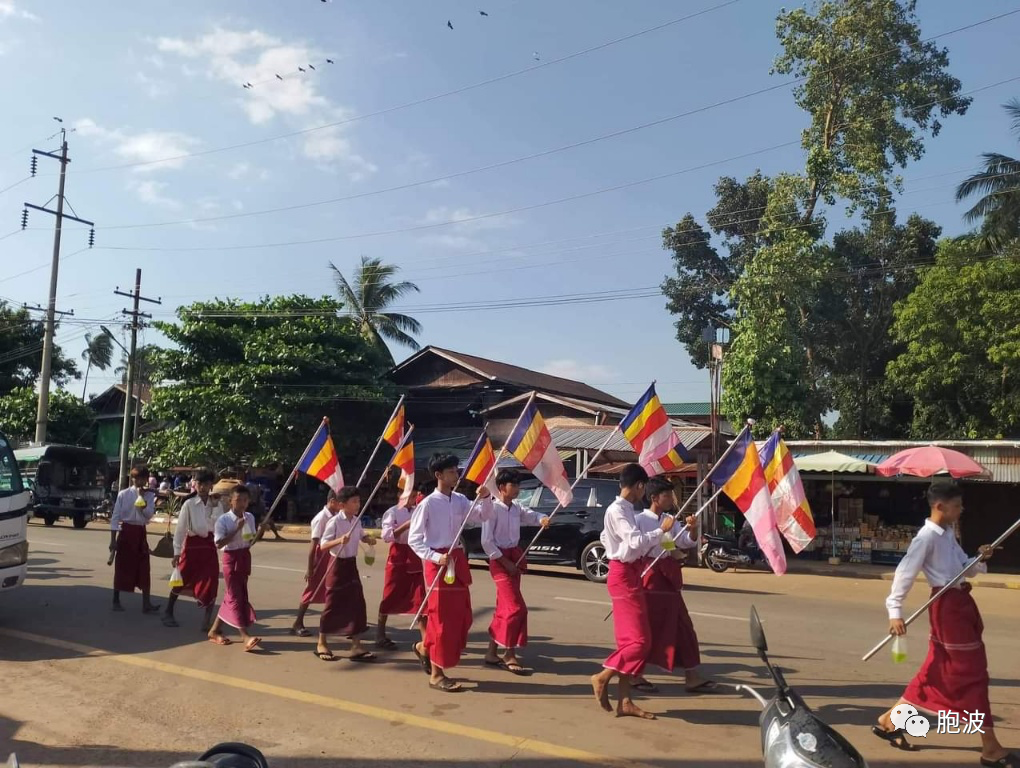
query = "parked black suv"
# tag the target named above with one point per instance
(573, 535)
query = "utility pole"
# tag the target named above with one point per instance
(135, 314)
(42, 415)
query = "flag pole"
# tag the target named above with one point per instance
(378, 484)
(970, 564)
(378, 443)
(290, 479)
(471, 509)
(579, 478)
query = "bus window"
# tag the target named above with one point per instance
(10, 478)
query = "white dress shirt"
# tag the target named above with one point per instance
(125, 511)
(337, 526)
(226, 528)
(621, 537)
(648, 521)
(435, 522)
(197, 518)
(936, 552)
(393, 519)
(319, 523)
(503, 531)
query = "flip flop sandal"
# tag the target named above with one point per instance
(1007, 761)
(303, 632)
(895, 738)
(423, 659)
(645, 687)
(324, 655)
(497, 664)
(364, 657)
(708, 685)
(252, 644)
(170, 621)
(220, 640)
(446, 685)
(517, 669)
(151, 609)
(386, 644)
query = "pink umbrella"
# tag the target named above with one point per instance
(930, 460)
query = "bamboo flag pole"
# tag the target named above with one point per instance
(471, 509)
(578, 479)
(290, 479)
(952, 584)
(379, 442)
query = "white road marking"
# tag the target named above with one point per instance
(279, 568)
(604, 604)
(44, 543)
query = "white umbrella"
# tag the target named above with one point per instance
(833, 462)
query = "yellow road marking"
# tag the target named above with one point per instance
(378, 713)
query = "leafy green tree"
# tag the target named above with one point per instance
(370, 298)
(250, 382)
(999, 187)
(70, 420)
(871, 270)
(21, 342)
(872, 88)
(98, 352)
(961, 331)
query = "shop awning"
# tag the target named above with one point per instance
(832, 462)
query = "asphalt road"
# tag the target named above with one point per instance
(82, 686)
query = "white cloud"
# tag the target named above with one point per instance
(8, 10)
(572, 369)
(463, 228)
(153, 88)
(280, 90)
(156, 149)
(150, 192)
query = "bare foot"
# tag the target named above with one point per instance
(627, 708)
(601, 690)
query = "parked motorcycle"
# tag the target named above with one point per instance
(722, 552)
(792, 736)
(229, 755)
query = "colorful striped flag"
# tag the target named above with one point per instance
(404, 461)
(742, 479)
(394, 431)
(320, 460)
(792, 511)
(649, 431)
(481, 465)
(532, 445)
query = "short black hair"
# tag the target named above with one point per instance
(332, 496)
(140, 471)
(240, 490)
(205, 476)
(347, 493)
(632, 474)
(656, 486)
(943, 491)
(440, 462)
(508, 476)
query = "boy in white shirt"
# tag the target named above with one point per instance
(234, 535)
(132, 512)
(195, 551)
(315, 571)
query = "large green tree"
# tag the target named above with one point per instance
(21, 343)
(872, 88)
(998, 209)
(70, 420)
(249, 382)
(961, 331)
(870, 270)
(98, 352)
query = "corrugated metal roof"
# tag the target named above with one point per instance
(688, 409)
(592, 438)
(1000, 457)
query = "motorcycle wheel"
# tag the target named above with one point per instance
(714, 564)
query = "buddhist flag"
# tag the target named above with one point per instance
(404, 461)
(481, 465)
(320, 460)
(649, 431)
(792, 511)
(532, 445)
(394, 431)
(742, 479)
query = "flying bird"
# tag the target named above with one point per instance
(278, 77)
(301, 69)
(449, 24)
(311, 67)
(247, 86)
(59, 119)
(483, 13)
(330, 61)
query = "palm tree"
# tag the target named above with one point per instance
(143, 356)
(98, 352)
(999, 185)
(372, 294)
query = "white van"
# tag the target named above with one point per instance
(14, 510)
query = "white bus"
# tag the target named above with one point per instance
(14, 509)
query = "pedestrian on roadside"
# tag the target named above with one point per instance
(234, 535)
(195, 551)
(404, 582)
(954, 676)
(132, 512)
(315, 570)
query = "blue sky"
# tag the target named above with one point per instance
(144, 82)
